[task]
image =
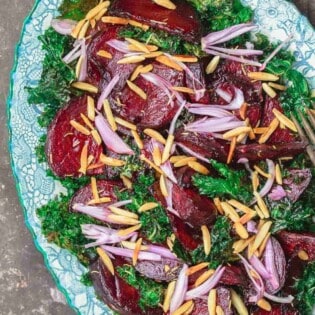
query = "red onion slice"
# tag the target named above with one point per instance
(122, 203)
(175, 118)
(269, 257)
(99, 213)
(205, 287)
(110, 86)
(259, 267)
(122, 46)
(271, 171)
(63, 27)
(111, 138)
(208, 110)
(251, 226)
(237, 52)
(278, 299)
(180, 290)
(83, 69)
(192, 153)
(277, 193)
(223, 94)
(163, 251)
(74, 54)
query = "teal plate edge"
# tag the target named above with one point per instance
(34, 188)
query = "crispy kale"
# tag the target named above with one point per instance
(40, 149)
(155, 224)
(230, 185)
(151, 292)
(76, 9)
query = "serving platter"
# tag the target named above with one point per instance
(278, 19)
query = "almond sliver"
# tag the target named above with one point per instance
(168, 295)
(168, 62)
(212, 302)
(123, 212)
(206, 239)
(106, 260)
(262, 76)
(155, 135)
(148, 206)
(127, 231)
(136, 251)
(285, 120)
(165, 4)
(114, 20)
(105, 54)
(137, 90)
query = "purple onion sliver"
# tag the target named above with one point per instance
(122, 203)
(284, 300)
(169, 198)
(192, 153)
(223, 94)
(269, 257)
(63, 27)
(83, 68)
(209, 111)
(74, 54)
(173, 211)
(163, 251)
(175, 118)
(268, 185)
(106, 92)
(277, 193)
(237, 52)
(167, 169)
(259, 267)
(119, 45)
(93, 211)
(213, 125)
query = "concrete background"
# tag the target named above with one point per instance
(25, 285)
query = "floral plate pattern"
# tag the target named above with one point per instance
(276, 17)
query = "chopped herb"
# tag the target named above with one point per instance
(180, 251)
(76, 9)
(62, 227)
(151, 292)
(305, 288)
(232, 185)
(40, 149)
(86, 279)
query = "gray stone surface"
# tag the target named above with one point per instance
(25, 285)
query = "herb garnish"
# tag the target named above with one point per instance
(76, 9)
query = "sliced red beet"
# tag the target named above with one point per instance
(193, 209)
(292, 243)
(224, 300)
(105, 188)
(183, 21)
(64, 143)
(253, 113)
(184, 176)
(156, 111)
(200, 307)
(277, 309)
(117, 293)
(280, 135)
(234, 275)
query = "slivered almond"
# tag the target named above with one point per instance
(153, 54)
(231, 150)
(167, 148)
(126, 181)
(151, 164)
(146, 69)
(96, 136)
(262, 76)
(90, 108)
(198, 167)
(122, 220)
(264, 304)
(132, 245)
(184, 161)
(94, 189)
(90, 159)
(105, 54)
(255, 180)
(185, 58)
(115, 20)
(148, 206)
(100, 200)
(240, 245)
(93, 12)
(131, 59)
(302, 254)
(127, 231)
(111, 161)
(165, 4)
(260, 130)
(87, 121)
(217, 203)
(138, 45)
(238, 303)
(269, 90)
(191, 270)
(84, 159)
(238, 205)
(213, 64)
(278, 175)
(163, 186)
(230, 212)
(106, 260)
(204, 277)
(78, 67)
(243, 110)
(260, 223)
(206, 237)
(285, 120)
(263, 244)
(168, 295)
(83, 86)
(109, 115)
(137, 90)
(136, 72)
(262, 205)
(136, 251)
(168, 62)
(186, 306)
(261, 172)
(138, 24)
(75, 32)
(125, 123)
(155, 135)
(277, 86)
(83, 30)
(157, 156)
(271, 129)
(240, 230)
(247, 217)
(123, 212)
(152, 48)
(100, 14)
(212, 302)
(137, 139)
(235, 132)
(262, 232)
(176, 158)
(169, 243)
(219, 310)
(183, 89)
(77, 126)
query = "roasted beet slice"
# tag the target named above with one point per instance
(257, 152)
(64, 143)
(200, 307)
(184, 176)
(156, 111)
(117, 293)
(224, 300)
(253, 113)
(280, 135)
(277, 309)
(193, 209)
(234, 275)
(105, 188)
(183, 21)
(292, 243)
(203, 144)
(157, 269)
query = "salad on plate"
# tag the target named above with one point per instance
(173, 127)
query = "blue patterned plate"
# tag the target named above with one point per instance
(276, 18)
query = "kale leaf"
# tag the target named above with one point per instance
(305, 288)
(232, 184)
(86, 279)
(63, 227)
(151, 292)
(76, 9)
(40, 149)
(155, 224)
